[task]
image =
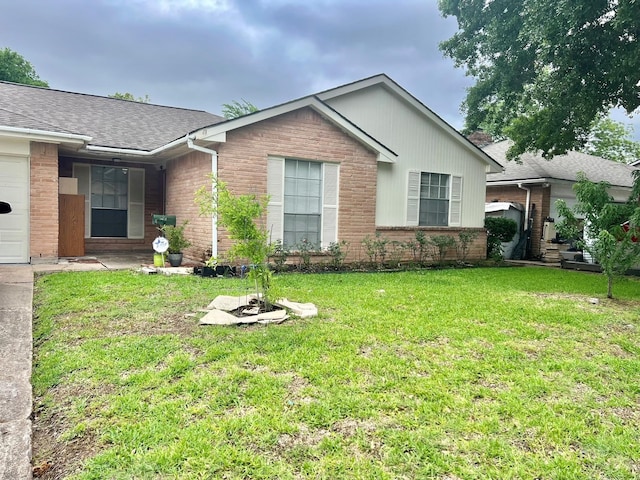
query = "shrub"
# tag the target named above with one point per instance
(499, 230)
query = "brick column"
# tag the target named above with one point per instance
(44, 203)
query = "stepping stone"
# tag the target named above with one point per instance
(229, 303)
(219, 317)
(302, 310)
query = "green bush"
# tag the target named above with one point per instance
(499, 230)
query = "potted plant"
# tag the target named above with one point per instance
(177, 243)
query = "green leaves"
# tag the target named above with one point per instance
(14, 68)
(545, 69)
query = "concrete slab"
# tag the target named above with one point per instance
(15, 400)
(16, 345)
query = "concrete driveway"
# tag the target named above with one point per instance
(16, 294)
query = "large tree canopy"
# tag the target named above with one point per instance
(14, 68)
(546, 69)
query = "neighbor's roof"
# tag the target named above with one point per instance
(108, 121)
(534, 168)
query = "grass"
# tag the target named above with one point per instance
(449, 374)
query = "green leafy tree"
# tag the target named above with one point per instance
(544, 69)
(130, 97)
(237, 109)
(614, 141)
(14, 68)
(604, 238)
(240, 215)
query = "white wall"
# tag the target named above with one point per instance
(420, 144)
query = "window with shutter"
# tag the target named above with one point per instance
(433, 199)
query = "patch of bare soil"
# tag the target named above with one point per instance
(54, 459)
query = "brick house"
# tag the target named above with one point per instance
(536, 183)
(362, 158)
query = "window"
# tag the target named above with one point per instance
(302, 202)
(434, 199)
(114, 200)
(109, 187)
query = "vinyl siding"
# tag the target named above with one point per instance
(421, 145)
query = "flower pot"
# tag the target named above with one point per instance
(175, 259)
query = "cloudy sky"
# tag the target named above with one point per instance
(203, 53)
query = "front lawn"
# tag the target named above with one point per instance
(444, 374)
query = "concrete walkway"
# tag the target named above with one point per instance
(16, 352)
(16, 294)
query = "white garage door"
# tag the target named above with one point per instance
(14, 226)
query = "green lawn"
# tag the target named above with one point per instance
(451, 374)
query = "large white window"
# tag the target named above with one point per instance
(434, 199)
(303, 202)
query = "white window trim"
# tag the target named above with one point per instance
(413, 199)
(330, 199)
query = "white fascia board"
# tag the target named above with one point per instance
(217, 132)
(44, 136)
(382, 79)
(141, 153)
(530, 181)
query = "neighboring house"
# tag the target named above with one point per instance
(537, 183)
(362, 158)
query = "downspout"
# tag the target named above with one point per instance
(526, 207)
(214, 171)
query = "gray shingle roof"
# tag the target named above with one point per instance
(110, 122)
(561, 167)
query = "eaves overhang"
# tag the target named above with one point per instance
(35, 135)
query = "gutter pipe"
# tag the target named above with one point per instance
(526, 210)
(214, 171)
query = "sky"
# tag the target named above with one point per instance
(201, 54)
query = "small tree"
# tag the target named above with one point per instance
(465, 240)
(440, 245)
(239, 215)
(603, 236)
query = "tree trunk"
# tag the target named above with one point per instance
(609, 286)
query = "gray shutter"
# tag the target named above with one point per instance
(330, 186)
(455, 203)
(413, 198)
(275, 190)
(82, 172)
(135, 226)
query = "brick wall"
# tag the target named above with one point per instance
(44, 202)
(303, 134)
(185, 175)
(540, 196)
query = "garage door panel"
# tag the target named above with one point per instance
(14, 226)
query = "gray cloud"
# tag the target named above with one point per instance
(202, 53)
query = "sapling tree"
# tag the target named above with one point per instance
(596, 223)
(240, 215)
